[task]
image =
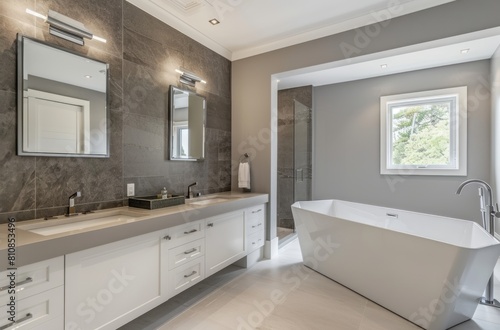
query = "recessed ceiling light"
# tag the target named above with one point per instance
(214, 21)
(465, 51)
(383, 66)
(88, 76)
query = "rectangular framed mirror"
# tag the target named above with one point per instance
(187, 118)
(61, 102)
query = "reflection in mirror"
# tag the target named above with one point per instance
(62, 102)
(187, 125)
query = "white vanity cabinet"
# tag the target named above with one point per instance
(39, 296)
(107, 286)
(225, 241)
(110, 285)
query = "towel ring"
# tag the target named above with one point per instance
(244, 158)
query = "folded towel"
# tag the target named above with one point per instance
(244, 175)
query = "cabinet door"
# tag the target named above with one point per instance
(224, 240)
(108, 286)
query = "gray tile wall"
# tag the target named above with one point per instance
(286, 120)
(143, 53)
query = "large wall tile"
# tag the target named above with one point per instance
(17, 190)
(143, 54)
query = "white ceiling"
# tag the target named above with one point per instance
(481, 45)
(251, 27)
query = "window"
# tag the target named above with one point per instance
(424, 133)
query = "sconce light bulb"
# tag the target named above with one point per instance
(203, 81)
(179, 71)
(34, 13)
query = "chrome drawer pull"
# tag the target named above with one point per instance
(27, 280)
(27, 317)
(210, 225)
(190, 251)
(191, 231)
(186, 276)
(168, 238)
(259, 210)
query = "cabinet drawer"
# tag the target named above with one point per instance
(255, 241)
(255, 219)
(185, 253)
(37, 312)
(186, 233)
(33, 279)
(185, 276)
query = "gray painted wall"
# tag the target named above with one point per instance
(143, 53)
(347, 143)
(254, 113)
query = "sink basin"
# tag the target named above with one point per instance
(64, 224)
(209, 201)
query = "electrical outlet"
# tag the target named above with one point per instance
(130, 189)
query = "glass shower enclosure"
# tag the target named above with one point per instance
(294, 162)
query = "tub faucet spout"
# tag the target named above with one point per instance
(485, 201)
(488, 211)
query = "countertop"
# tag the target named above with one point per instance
(32, 247)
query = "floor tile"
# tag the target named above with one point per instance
(284, 294)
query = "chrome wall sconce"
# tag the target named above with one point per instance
(189, 78)
(65, 27)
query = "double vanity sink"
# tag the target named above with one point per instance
(41, 239)
(176, 247)
(105, 218)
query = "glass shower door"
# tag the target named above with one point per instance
(302, 152)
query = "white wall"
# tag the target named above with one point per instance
(347, 143)
(253, 109)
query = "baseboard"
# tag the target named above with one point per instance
(271, 248)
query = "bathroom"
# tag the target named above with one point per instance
(143, 54)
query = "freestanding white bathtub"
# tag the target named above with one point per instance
(428, 269)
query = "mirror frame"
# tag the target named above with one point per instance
(171, 124)
(20, 102)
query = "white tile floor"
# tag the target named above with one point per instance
(283, 294)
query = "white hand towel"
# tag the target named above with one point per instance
(244, 175)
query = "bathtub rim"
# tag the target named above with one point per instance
(473, 223)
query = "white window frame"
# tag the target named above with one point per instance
(458, 138)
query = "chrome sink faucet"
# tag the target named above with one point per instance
(71, 207)
(190, 191)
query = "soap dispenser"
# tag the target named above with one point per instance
(164, 193)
